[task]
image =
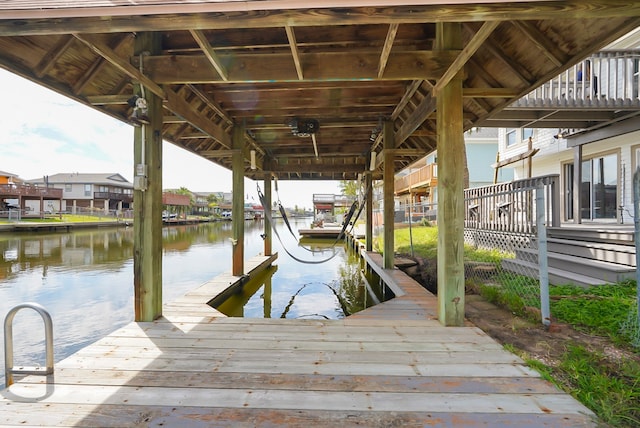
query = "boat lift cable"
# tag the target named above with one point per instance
(267, 214)
(347, 221)
(283, 212)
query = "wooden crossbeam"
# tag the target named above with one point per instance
(386, 49)
(291, 35)
(211, 55)
(467, 52)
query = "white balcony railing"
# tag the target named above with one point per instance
(606, 78)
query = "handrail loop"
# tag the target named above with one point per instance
(9, 370)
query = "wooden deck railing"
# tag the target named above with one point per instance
(28, 190)
(426, 175)
(125, 197)
(511, 207)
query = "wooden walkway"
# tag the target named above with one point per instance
(390, 365)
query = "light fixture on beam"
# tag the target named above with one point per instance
(372, 164)
(315, 144)
(253, 159)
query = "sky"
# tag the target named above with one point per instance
(44, 133)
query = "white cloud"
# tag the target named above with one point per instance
(44, 133)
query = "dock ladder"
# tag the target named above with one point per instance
(9, 369)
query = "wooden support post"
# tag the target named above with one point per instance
(147, 217)
(389, 204)
(237, 211)
(451, 154)
(268, 233)
(369, 211)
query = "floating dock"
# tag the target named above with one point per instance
(390, 365)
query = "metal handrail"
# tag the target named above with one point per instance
(9, 369)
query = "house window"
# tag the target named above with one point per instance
(87, 189)
(68, 187)
(515, 136)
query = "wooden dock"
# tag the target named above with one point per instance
(390, 365)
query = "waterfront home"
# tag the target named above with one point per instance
(82, 192)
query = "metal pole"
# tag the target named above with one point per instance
(542, 256)
(636, 223)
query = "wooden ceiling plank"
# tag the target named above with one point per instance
(134, 19)
(180, 107)
(102, 100)
(291, 35)
(211, 103)
(426, 107)
(386, 49)
(124, 66)
(54, 54)
(467, 52)
(512, 66)
(411, 90)
(209, 53)
(539, 39)
(490, 92)
(98, 65)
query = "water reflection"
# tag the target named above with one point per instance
(330, 290)
(85, 280)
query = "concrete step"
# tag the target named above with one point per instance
(605, 271)
(556, 276)
(612, 253)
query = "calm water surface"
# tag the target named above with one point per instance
(85, 280)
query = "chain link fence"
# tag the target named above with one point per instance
(505, 238)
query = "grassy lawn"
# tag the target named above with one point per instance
(608, 385)
(66, 218)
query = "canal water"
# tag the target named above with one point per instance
(85, 280)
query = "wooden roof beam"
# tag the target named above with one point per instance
(224, 15)
(211, 103)
(467, 52)
(514, 67)
(386, 49)
(53, 55)
(291, 35)
(98, 65)
(122, 65)
(269, 68)
(211, 55)
(173, 103)
(426, 107)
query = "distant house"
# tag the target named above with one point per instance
(18, 197)
(9, 178)
(203, 206)
(417, 184)
(80, 192)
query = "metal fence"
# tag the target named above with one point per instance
(505, 226)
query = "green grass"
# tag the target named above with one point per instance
(66, 218)
(610, 391)
(600, 310)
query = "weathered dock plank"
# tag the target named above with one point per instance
(390, 365)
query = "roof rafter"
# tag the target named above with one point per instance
(211, 55)
(291, 35)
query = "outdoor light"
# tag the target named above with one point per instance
(372, 165)
(140, 110)
(253, 159)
